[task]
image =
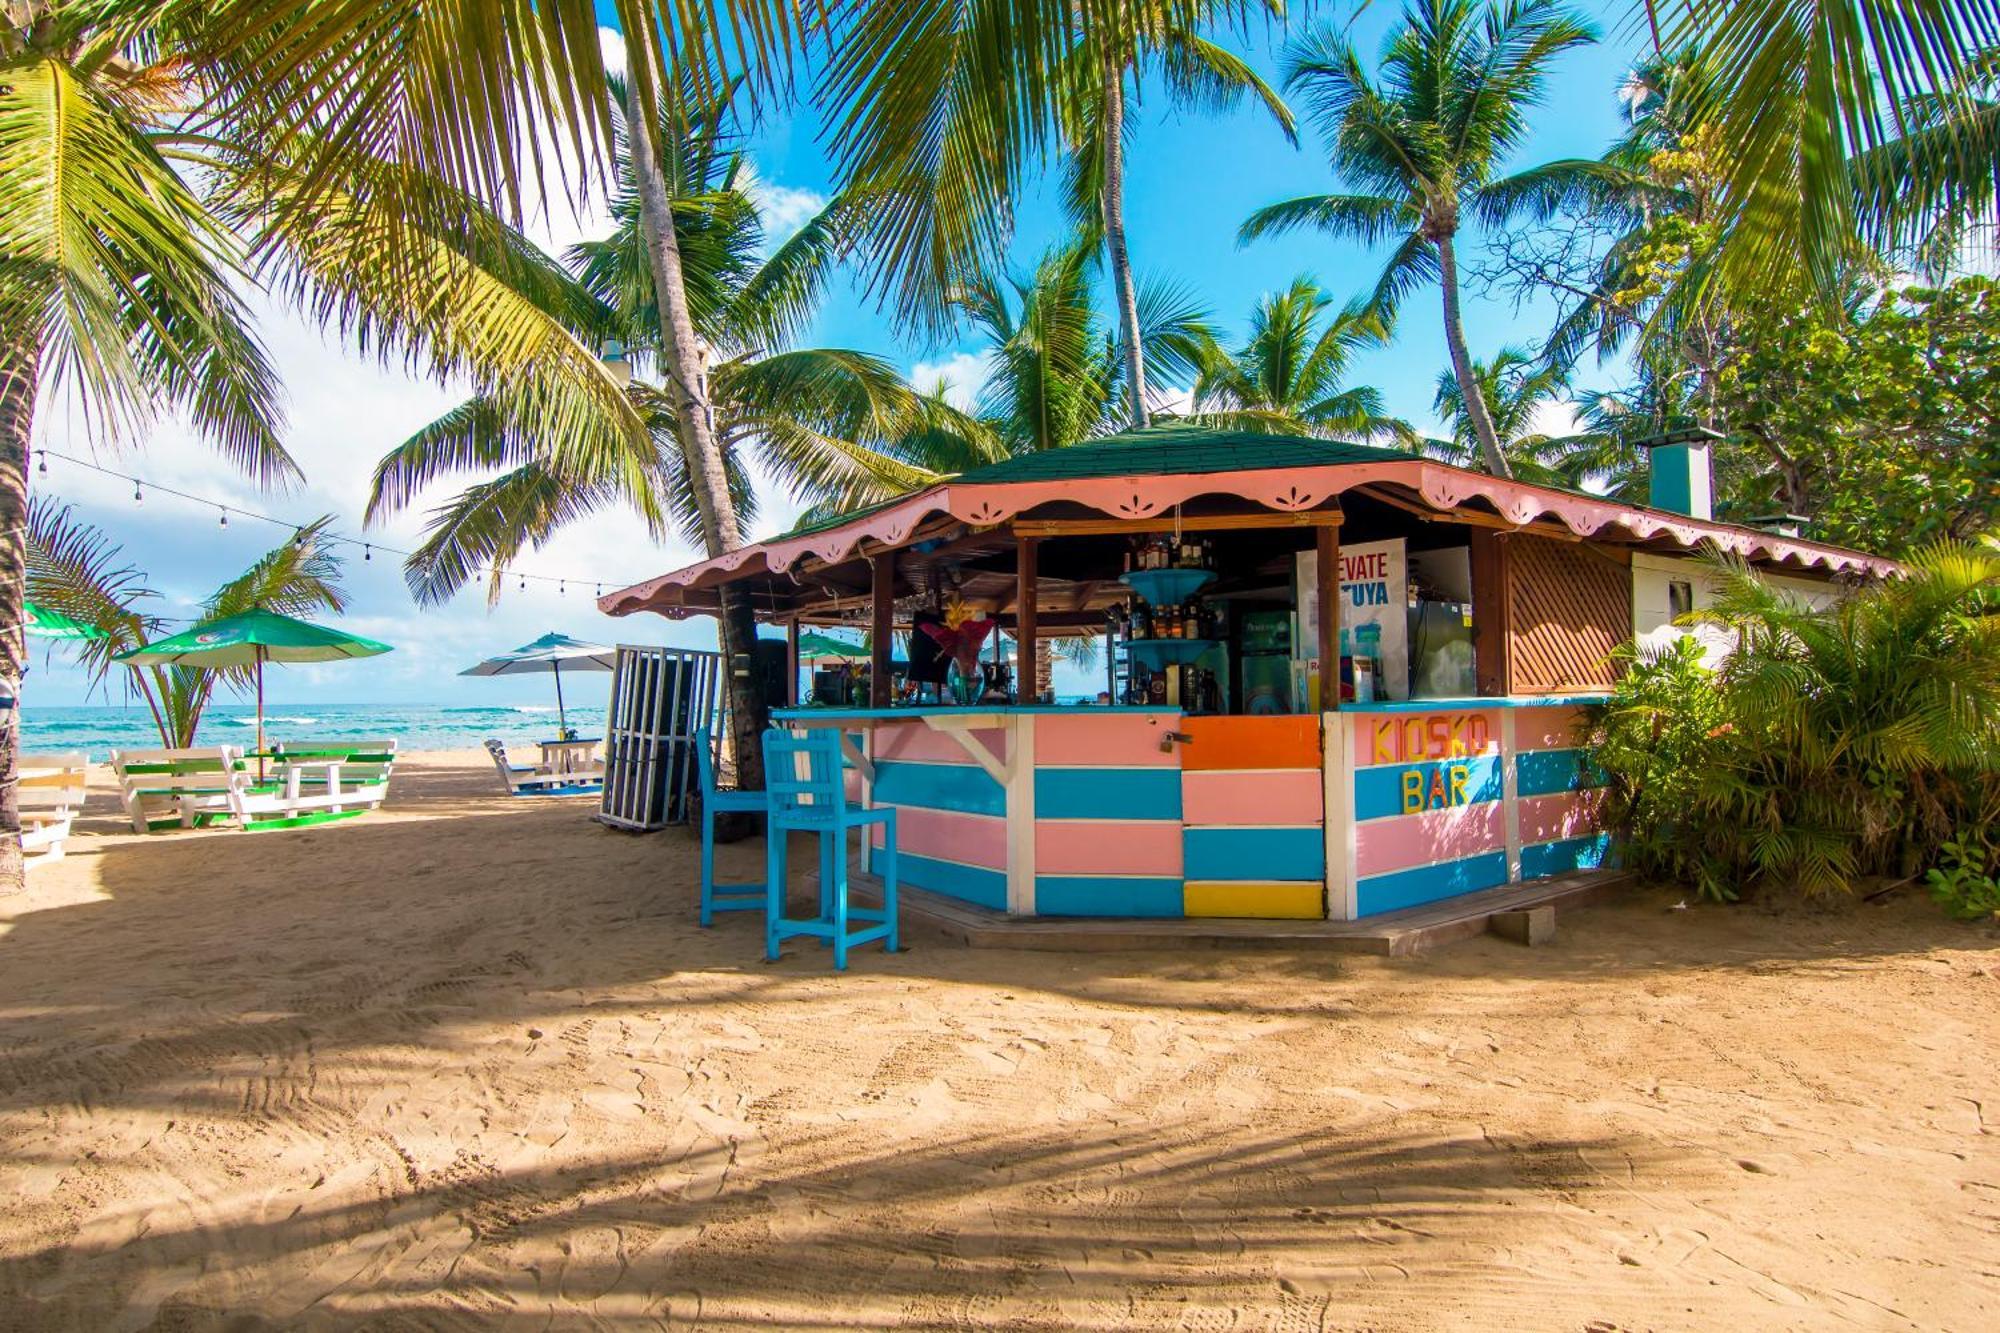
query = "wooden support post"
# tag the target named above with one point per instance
(792, 662)
(1027, 688)
(1327, 550)
(882, 628)
(1491, 613)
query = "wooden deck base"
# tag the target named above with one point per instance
(1396, 934)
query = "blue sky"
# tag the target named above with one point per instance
(1193, 179)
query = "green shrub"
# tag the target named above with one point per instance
(1829, 745)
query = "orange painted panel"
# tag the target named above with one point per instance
(1251, 742)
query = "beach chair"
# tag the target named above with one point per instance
(532, 780)
(714, 801)
(179, 788)
(314, 782)
(50, 791)
(808, 794)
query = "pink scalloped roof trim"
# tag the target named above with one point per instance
(1287, 490)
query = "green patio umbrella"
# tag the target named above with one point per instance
(252, 639)
(43, 623)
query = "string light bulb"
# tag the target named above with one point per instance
(524, 583)
(367, 552)
(44, 468)
(223, 520)
(138, 495)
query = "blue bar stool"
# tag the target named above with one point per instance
(715, 897)
(808, 794)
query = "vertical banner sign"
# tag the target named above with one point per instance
(1374, 590)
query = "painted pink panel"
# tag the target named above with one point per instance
(1546, 728)
(1289, 796)
(1568, 814)
(1416, 738)
(974, 840)
(914, 742)
(1382, 845)
(1098, 847)
(1104, 740)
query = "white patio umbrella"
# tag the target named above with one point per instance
(550, 653)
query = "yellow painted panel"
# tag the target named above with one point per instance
(1267, 899)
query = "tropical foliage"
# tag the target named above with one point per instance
(1423, 144)
(815, 418)
(74, 568)
(1830, 745)
(1291, 373)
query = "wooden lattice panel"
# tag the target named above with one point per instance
(1569, 605)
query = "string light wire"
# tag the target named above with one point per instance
(368, 546)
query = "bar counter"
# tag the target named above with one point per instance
(1111, 811)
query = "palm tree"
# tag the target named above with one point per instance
(1054, 380)
(1290, 374)
(1197, 71)
(74, 567)
(116, 279)
(818, 419)
(1424, 144)
(1848, 121)
(1519, 388)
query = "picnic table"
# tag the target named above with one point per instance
(569, 756)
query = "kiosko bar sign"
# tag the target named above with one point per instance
(1403, 740)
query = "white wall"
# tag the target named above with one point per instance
(1653, 576)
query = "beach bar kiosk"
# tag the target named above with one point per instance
(1330, 681)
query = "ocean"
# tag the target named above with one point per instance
(101, 728)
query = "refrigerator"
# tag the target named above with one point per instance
(1265, 661)
(1441, 665)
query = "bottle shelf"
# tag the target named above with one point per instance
(1166, 587)
(1153, 654)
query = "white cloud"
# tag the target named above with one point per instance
(784, 208)
(612, 42)
(962, 374)
(1556, 419)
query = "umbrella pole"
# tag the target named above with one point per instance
(260, 712)
(562, 718)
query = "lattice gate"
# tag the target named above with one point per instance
(1569, 605)
(660, 699)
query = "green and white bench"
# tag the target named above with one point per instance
(318, 781)
(181, 788)
(50, 792)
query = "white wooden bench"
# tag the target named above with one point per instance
(531, 780)
(310, 782)
(180, 788)
(50, 792)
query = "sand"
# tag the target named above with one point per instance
(468, 1062)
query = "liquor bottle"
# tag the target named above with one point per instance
(1190, 627)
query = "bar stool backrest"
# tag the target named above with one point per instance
(704, 760)
(803, 771)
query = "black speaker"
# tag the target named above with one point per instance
(768, 660)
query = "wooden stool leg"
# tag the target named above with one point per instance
(840, 904)
(774, 889)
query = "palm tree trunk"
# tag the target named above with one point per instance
(685, 360)
(1461, 363)
(19, 367)
(1112, 203)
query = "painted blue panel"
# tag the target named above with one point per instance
(1544, 772)
(1108, 793)
(1425, 884)
(1378, 791)
(1556, 858)
(962, 787)
(1107, 895)
(974, 884)
(1254, 853)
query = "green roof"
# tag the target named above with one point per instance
(1178, 448)
(1173, 448)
